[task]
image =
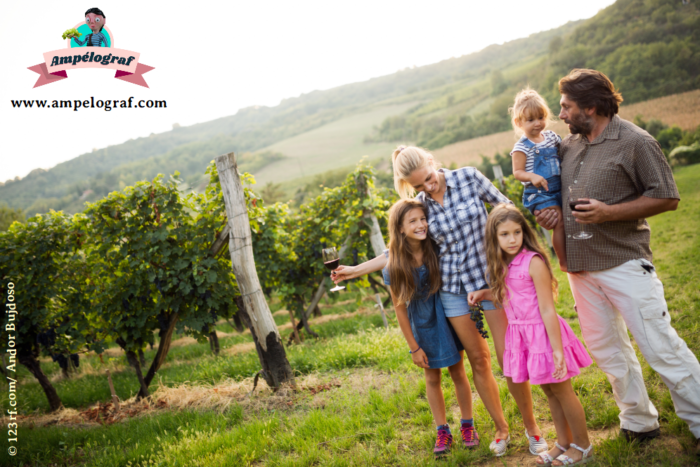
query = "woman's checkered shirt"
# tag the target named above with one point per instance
(458, 227)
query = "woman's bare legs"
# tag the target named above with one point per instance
(480, 360)
(498, 322)
(463, 389)
(433, 391)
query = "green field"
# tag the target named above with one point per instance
(361, 401)
(331, 146)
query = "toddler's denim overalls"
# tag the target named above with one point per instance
(547, 166)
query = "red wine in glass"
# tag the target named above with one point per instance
(573, 204)
(577, 195)
(331, 260)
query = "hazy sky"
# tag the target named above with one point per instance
(212, 59)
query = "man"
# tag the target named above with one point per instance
(95, 19)
(625, 178)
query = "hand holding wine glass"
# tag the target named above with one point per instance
(331, 260)
(578, 197)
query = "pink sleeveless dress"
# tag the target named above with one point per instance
(528, 353)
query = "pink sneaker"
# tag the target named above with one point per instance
(470, 437)
(443, 443)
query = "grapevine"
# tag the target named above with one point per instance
(137, 264)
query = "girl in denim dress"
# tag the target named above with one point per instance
(413, 276)
(536, 161)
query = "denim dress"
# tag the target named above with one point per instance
(547, 166)
(430, 327)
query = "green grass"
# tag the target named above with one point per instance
(379, 414)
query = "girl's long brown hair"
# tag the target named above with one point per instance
(496, 257)
(401, 264)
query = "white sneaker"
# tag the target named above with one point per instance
(499, 446)
(537, 444)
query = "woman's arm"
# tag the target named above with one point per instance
(419, 357)
(488, 191)
(543, 285)
(344, 273)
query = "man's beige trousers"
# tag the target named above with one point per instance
(631, 297)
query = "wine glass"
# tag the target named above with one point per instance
(576, 198)
(331, 260)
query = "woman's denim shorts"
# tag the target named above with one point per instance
(456, 304)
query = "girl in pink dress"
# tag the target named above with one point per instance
(540, 346)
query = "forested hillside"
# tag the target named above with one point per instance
(649, 48)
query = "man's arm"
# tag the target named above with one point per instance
(598, 212)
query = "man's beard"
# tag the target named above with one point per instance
(580, 124)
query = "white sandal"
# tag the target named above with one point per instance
(499, 446)
(547, 459)
(566, 460)
(536, 445)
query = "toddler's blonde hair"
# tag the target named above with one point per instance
(407, 160)
(529, 104)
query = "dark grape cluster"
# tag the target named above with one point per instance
(63, 361)
(477, 315)
(46, 339)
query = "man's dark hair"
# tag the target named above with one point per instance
(591, 88)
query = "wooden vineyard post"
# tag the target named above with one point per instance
(381, 308)
(375, 235)
(273, 358)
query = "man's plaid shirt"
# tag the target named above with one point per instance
(458, 227)
(623, 163)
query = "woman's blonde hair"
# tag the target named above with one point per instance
(529, 104)
(406, 160)
(497, 265)
(401, 265)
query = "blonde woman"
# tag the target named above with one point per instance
(457, 217)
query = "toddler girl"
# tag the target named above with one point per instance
(540, 346)
(536, 161)
(413, 276)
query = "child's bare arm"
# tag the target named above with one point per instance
(478, 296)
(343, 273)
(519, 172)
(543, 285)
(419, 357)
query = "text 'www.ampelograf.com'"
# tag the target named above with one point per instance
(11, 350)
(75, 104)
